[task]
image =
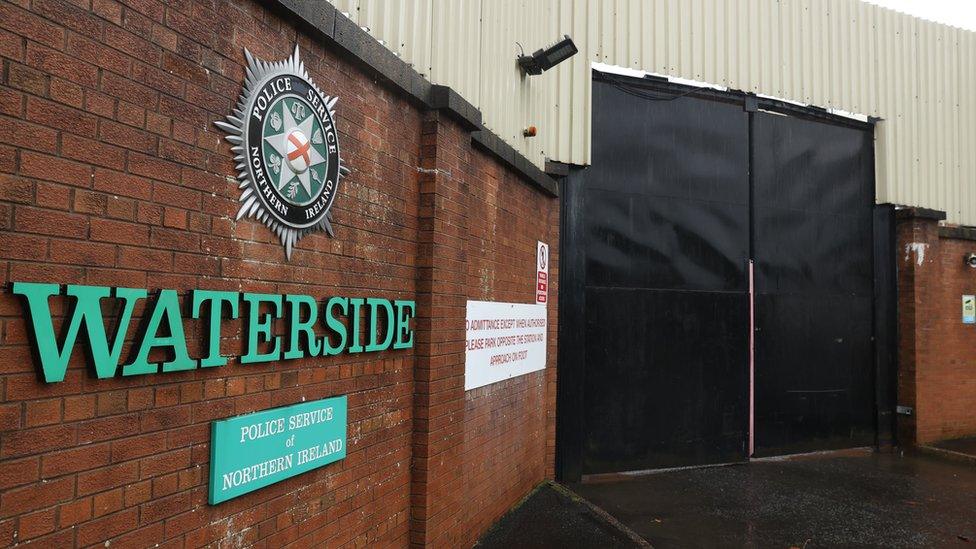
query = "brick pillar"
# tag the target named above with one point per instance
(919, 268)
(436, 488)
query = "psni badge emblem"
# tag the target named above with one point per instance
(283, 133)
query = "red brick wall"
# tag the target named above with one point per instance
(506, 429)
(112, 173)
(936, 365)
(479, 451)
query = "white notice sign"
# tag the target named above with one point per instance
(503, 340)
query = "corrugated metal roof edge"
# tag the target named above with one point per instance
(341, 31)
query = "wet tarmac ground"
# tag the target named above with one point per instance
(965, 446)
(553, 518)
(862, 499)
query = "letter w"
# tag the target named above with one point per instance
(87, 309)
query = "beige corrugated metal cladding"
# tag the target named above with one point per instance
(917, 76)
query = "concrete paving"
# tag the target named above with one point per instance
(859, 499)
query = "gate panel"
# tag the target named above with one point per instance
(666, 217)
(812, 230)
(665, 379)
(682, 191)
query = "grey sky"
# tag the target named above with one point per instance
(959, 13)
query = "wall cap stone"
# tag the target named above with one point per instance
(957, 232)
(558, 169)
(446, 99)
(920, 213)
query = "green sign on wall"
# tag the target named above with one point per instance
(351, 325)
(256, 450)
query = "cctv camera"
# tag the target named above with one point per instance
(970, 259)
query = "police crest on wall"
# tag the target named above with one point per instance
(283, 133)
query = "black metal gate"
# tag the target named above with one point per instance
(685, 187)
(813, 193)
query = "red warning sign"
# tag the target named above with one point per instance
(542, 273)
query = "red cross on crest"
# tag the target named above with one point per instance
(301, 145)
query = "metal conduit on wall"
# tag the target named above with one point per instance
(919, 77)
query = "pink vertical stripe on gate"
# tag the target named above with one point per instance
(752, 362)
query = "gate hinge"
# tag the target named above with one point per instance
(751, 104)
